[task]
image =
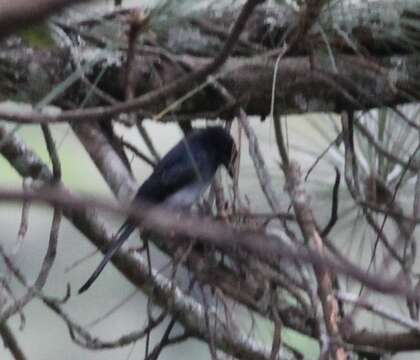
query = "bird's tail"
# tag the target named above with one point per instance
(123, 233)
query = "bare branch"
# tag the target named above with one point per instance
(379, 310)
(269, 248)
(19, 13)
(43, 273)
(10, 342)
(83, 338)
(106, 159)
(259, 164)
(23, 227)
(178, 86)
(309, 230)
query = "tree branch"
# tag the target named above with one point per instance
(21, 13)
(10, 342)
(176, 87)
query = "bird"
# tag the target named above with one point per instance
(178, 180)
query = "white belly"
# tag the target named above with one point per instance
(186, 197)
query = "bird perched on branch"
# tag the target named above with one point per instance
(179, 179)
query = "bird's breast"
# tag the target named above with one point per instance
(186, 196)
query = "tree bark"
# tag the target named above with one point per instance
(344, 63)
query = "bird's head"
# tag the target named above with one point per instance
(224, 148)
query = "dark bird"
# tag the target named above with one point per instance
(179, 179)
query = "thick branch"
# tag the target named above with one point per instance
(106, 159)
(19, 13)
(303, 85)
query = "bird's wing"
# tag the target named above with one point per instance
(175, 171)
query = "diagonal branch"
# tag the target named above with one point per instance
(10, 342)
(306, 221)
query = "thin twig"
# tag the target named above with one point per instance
(138, 153)
(111, 311)
(52, 243)
(278, 327)
(43, 273)
(154, 354)
(83, 338)
(10, 342)
(259, 164)
(413, 166)
(380, 310)
(23, 227)
(52, 152)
